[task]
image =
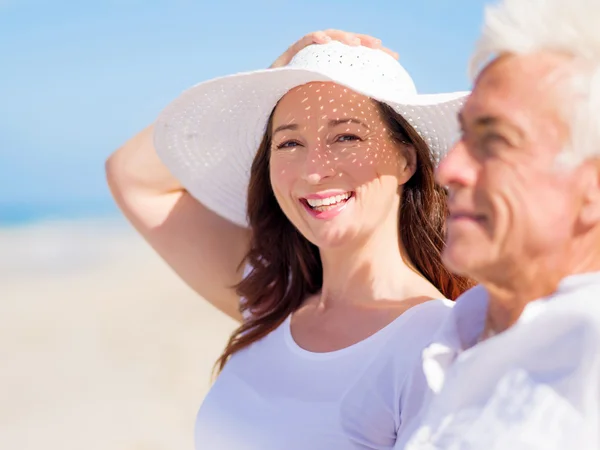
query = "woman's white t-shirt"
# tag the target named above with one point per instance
(274, 395)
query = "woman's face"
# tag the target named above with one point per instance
(335, 169)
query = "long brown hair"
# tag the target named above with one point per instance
(286, 267)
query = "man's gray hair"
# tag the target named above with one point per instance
(570, 27)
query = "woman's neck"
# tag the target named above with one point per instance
(370, 271)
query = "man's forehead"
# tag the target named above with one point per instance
(533, 72)
(514, 87)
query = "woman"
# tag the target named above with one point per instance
(328, 225)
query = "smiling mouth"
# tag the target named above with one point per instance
(326, 204)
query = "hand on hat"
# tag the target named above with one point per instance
(322, 37)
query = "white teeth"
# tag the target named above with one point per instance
(316, 202)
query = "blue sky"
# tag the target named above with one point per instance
(78, 78)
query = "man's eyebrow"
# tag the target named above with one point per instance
(490, 121)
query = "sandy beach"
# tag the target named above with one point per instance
(102, 347)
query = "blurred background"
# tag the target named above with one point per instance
(101, 346)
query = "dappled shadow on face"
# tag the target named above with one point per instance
(327, 137)
(332, 124)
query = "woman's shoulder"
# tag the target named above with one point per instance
(416, 329)
(428, 314)
(440, 305)
(411, 332)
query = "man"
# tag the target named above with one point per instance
(517, 365)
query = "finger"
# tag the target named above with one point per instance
(344, 37)
(322, 37)
(354, 38)
(392, 53)
(359, 39)
(369, 41)
(317, 37)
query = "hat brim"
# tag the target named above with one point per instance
(209, 135)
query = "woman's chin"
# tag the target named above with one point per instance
(332, 237)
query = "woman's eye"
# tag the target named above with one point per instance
(347, 138)
(288, 144)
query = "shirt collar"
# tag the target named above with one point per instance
(466, 322)
(567, 285)
(578, 281)
(458, 332)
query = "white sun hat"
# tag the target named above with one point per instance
(208, 137)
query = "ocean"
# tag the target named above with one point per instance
(18, 214)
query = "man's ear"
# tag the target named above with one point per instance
(590, 210)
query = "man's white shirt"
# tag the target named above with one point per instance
(534, 386)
